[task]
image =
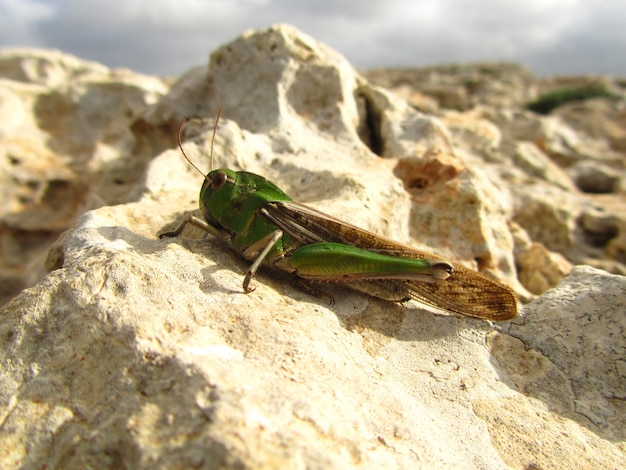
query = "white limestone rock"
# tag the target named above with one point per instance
(141, 352)
(579, 328)
(138, 352)
(68, 143)
(540, 269)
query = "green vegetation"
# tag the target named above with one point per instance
(555, 98)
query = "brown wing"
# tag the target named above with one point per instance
(465, 292)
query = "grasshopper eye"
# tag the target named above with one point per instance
(219, 180)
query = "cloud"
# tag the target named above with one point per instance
(17, 18)
(594, 41)
(167, 37)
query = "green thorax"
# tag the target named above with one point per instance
(235, 204)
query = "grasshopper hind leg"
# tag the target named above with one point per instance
(310, 288)
(389, 290)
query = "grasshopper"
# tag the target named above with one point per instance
(267, 227)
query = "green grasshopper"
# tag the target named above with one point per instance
(267, 227)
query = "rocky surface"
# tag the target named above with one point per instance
(70, 142)
(137, 352)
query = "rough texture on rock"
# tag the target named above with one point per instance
(69, 143)
(135, 352)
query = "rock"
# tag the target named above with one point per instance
(602, 119)
(567, 150)
(564, 145)
(528, 158)
(68, 144)
(549, 215)
(577, 330)
(148, 354)
(599, 226)
(540, 269)
(605, 229)
(591, 177)
(463, 86)
(46, 67)
(616, 246)
(138, 352)
(473, 132)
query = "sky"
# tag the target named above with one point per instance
(168, 37)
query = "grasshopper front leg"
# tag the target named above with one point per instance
(257, 251)
(191, 219)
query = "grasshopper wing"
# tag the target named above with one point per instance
(465, 292)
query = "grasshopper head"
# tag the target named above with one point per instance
(215, 194)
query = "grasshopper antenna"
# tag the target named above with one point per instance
(180, 144)
(217, 119)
